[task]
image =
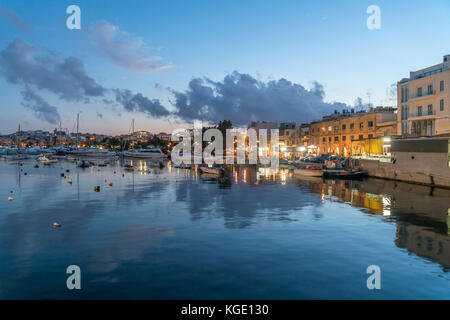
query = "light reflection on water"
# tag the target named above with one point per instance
(173, 233)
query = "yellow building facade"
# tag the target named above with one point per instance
(424, 101)
(344, 134)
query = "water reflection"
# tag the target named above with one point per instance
(420, 212)
(159, 227)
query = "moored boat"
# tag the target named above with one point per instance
(208, 170)
(344, 174)
(93, 152)
(46, 160)
(153, 153)
(310, 171)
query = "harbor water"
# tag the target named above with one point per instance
(168, 233)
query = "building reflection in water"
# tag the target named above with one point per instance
(421, 213)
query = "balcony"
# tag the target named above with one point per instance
(425, 113)
(422, 96)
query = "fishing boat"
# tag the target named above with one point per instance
(210, 170)
(153, 153)
(46, 160)
(310, 171)
(344, 174)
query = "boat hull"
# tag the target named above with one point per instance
(308, 173)
(210, 171)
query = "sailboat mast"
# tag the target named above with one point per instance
(18, 138)
(78, 127)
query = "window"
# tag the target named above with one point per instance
(441, 85)
(370, 135)
(441, 105)
(361, 137)
(419, 111)
(336, 128)
(419, 92)
(323, 139)
(329, 139)
(344, 138)
(344, 127)
(430, 89)
(361, 125)
(352, 125)
(370, 123)
(336, 138)
(352, 137)
(430, 109)
(329, 128)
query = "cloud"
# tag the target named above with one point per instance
(242, 99)
(99, 115)
(41, 109)
(132, 102)
(14, 18)
(22, 63)
(123, 49)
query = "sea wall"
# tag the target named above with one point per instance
(417, 167)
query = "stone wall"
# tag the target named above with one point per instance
(420, 167)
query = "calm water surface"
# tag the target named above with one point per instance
(173, 234)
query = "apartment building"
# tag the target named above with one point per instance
(423, 101)
(287, 134)
(302, 135)
(344, 133)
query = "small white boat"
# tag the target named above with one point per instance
(71, 158)
(45, 160)
(154, 153)
(309, 171)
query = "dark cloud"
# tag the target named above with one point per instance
(41, 109)
(22, 63)
(242, 99)
(123, 49)
(136, 102)
(14, 18)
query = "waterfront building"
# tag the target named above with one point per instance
(163, 136)
(287, 134)
(418, 160)
(345, 133)
(302, 138)
(423, 101)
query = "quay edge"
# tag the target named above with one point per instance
(422, 161)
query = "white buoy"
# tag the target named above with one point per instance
(10, 198)
(56, 224)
